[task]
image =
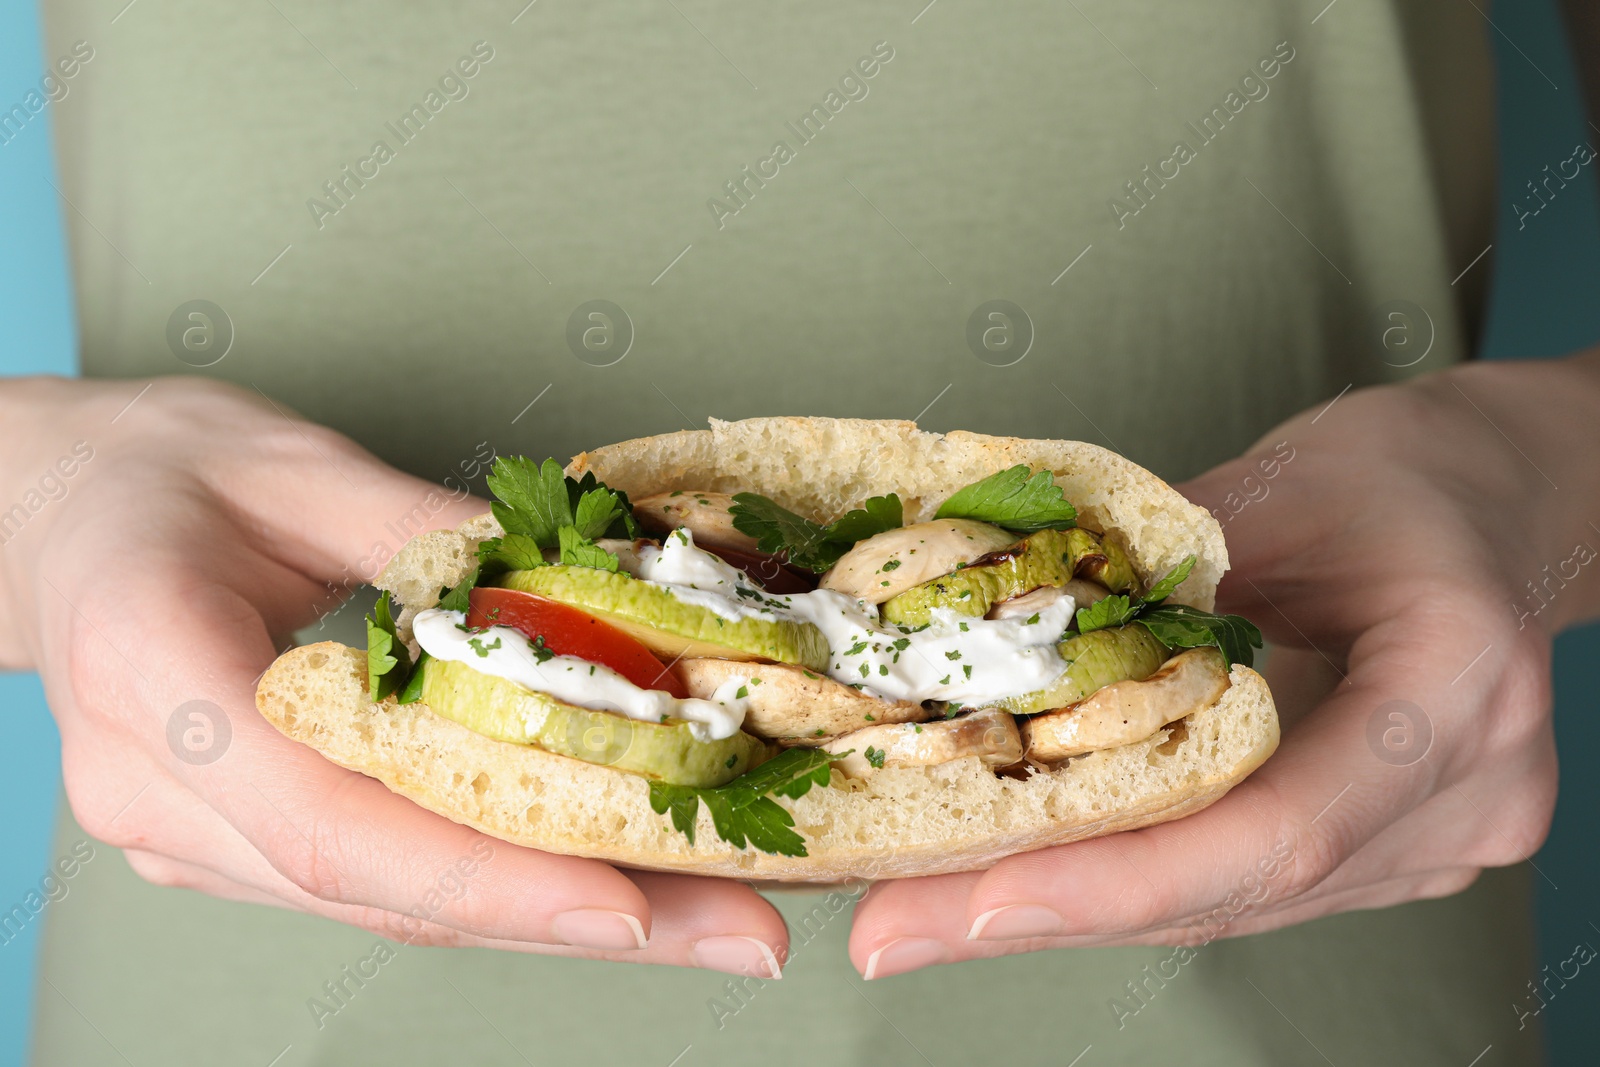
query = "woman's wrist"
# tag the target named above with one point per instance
(1519, 445)
(49, 447)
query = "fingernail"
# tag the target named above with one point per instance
(594, 928)
(905, 954)
(1015, 921)
(737, 955)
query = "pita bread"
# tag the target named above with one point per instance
(898, 822)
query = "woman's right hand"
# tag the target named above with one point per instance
(170, 567)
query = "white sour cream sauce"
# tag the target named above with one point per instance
(507, 653)
(956, 658)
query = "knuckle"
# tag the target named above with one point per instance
(1190, 934)
(1523, 700)
(1314, 856)
(161, 871)
(1304, 855)
(93, 687)
(1447, 883)
(311, 859)
(1513, 840)
(100, 822)
(93, 808)
(1160, 903)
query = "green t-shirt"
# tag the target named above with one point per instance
(554, 226)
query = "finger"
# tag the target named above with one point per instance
(711, 924)
(197, 849)
(687, 934)
(1325, 794)
(903, 947)
(926, 925)
(327, 505)
(1427, 885)
(339, 835)
(1296, 819)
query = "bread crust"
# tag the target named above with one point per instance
(899, 822)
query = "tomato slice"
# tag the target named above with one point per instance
(570, 632)
(771, 573)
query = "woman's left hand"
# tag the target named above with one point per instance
(1390, 559)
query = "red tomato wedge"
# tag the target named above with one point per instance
(570, 632)
(769, 572)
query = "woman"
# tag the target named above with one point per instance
(444, 231)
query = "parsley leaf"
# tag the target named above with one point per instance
(411, 692)
(779, 530)
(622, 526)
(1168, 585)
(878, 514)
(388, 660)
(518, 552)
(1114, 610)
(579, 551)
(533, 497)
(455, 598)
(1180, 626)
(483, 650)
(743, 810)
(875, 756)
(809, 544)
(596, 510)
(1013, 500)
(1118, 610)
(1175, 625)
(537, 500)
(541, 508)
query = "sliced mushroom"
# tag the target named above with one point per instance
(989, 733)
(792, 704)
(889, 563)
(1083, 592)
(704, 513)
(1125, 712)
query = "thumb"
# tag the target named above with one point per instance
(334, 510)
(1228, 491)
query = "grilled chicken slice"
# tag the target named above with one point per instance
(989, 733)
(704, 513)
(1125, 712)
(889, 563)
(794, 705)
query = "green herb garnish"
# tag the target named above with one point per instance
(578, 551)
(1013, 500)
(388, 660)
(743, 810)
(808, 544)
(1180, 626)
(1175, 625)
